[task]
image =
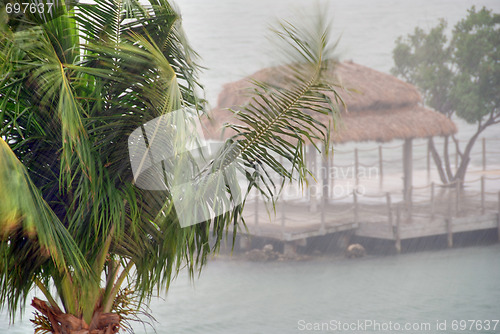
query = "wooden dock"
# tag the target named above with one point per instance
(387, 209)
(454, 210)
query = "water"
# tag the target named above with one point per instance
(253, 298)
(238, 297)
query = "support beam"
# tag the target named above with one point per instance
(313, 200)
(498, 217)
(396, 230)
(449, 222)
(355, 206)
(449, 231)
(498, 225)
(484, 153)
(323, 209)
(483, 209)
(356, 166)
(325, 175)
(389, 208)
(301, 242)
(432, 200)
(245, 242)
(380, 167)
(428, 160)
(332, 176)
(290, 249)
(257, 193)
(407, 168)
(283, 212)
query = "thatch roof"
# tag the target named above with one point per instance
(380, 106)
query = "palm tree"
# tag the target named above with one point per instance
(75, 84)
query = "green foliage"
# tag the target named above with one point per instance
(460, 75)
(67, 109)
(476, 55)
(72, 90)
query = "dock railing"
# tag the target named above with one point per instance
(431, 201)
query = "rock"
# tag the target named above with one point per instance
(268, 248)
(267, 254)
(355, 251)
(257, 255)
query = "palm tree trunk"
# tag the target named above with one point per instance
(63, 323)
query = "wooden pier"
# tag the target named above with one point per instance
(383, 205)
(446, 210)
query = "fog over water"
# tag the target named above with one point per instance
(422, 288)
(419, 288)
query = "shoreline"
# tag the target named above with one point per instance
(272, 251)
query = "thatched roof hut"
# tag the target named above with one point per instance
(380, 107)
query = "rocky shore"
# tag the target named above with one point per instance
(269, 254)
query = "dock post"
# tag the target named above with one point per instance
(289, 248)
(432, 200)
(397, 230)
(498, 217)
(283, 212)
(325, 175)
(323, 208)
(389, 211)
(428, 160)
(484, 154)
(313, 204)
(332, 178)
(257, 207)
(482, 195)
(325, 193)
(355, 203)
(498, 225)
(283, 201)
(449, 231)
(380, 166)
(307, 162)
(245, 241)
(407, 168)
(410, 203)
(356, 166)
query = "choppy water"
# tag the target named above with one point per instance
(254, 298)
(238, 297)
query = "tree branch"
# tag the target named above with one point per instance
(457, 146)
(447, 159)
(437, 161)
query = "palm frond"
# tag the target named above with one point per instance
(72, 91)
(280, 121)
(31, 235)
